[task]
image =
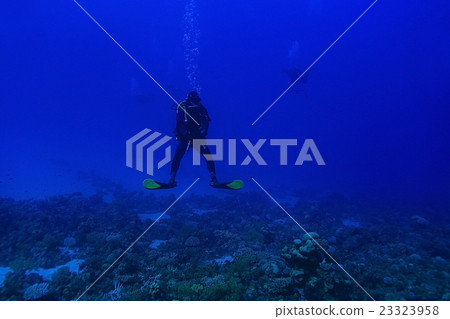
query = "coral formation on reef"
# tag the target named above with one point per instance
(36, 291)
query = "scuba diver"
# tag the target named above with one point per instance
(294, 73)
(192, 123)
(189, 112)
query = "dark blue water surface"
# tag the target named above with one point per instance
(375, 104)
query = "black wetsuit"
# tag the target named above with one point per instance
(186, 130)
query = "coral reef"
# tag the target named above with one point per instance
(210, 248)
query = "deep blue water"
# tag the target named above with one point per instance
(376, 105)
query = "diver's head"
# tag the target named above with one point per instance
(193, 97)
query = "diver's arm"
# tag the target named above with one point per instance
(180, 129)
(204, 122)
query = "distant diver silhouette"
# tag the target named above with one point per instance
(293, 74)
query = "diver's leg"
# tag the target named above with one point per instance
(209, 164)
(179, 153)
